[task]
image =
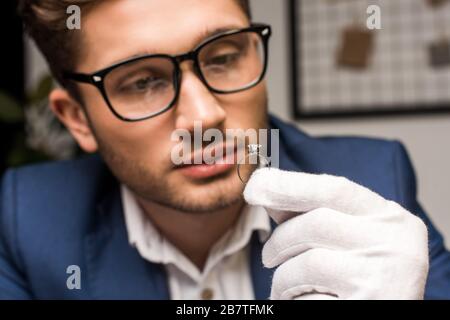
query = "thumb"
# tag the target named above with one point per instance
(255, 194)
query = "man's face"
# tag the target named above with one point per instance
(139, 153)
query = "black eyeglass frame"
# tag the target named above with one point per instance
(97, 78)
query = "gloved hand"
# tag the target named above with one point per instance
(338, 239)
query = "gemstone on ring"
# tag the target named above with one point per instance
(254, 148)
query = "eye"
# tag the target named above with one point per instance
(144, 84)
(222, 60)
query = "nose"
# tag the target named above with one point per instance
(196, 103)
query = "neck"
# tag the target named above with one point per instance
(194, 234)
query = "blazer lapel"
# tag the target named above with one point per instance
(115, 270)
(261, 276)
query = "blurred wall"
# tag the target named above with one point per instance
(426, 137)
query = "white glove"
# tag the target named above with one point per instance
(338, 239)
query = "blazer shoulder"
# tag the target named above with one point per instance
(361, 146)
(294, 137)
(67, 171)
(43, 195)
(337, 151)
(46, 212)
(382, 165)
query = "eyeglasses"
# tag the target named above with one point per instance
(147, 86)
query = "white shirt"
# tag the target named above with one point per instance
(226, 274)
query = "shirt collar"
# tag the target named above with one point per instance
(152, 246)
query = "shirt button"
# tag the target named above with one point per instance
(207, 294)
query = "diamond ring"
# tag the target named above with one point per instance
(253, 159)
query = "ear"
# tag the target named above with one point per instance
(73, 116)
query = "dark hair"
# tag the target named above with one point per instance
(45, 22)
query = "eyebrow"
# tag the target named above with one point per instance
(203, 37)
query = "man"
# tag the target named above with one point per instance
(130, 224)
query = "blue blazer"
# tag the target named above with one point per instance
(70, 213)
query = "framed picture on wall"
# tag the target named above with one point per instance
(341, 67)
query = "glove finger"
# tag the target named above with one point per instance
(302, 192)
(319, 228)
(317, 271)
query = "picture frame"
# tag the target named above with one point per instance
(398, 80)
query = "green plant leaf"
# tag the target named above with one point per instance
(20, 154)
(10, 110)
(42, 90)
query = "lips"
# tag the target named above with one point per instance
(218, 165)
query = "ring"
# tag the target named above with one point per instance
(254, 158)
